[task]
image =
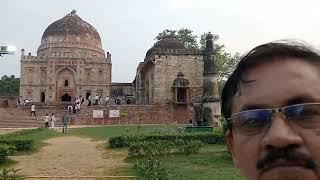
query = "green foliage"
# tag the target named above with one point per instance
(151, 169)
(184, 35)
(22, 141)
(207, 138)
(9, 174)
(6, 150)
(119, 141)
(21, 144)
(9, 85)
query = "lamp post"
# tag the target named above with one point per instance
(7, 50)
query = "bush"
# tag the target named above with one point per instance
(206, 138)
(5, 150)
(190, 147)
(21, 144)
(151, 169)
(160, 148)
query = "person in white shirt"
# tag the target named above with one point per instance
(33, 110)
(52, 120)
(46, 121)
(70, 109)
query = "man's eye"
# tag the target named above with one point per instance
(253, 122)
(305, 113)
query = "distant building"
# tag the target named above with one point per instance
(123, 92)
(70, 63)
(170, 73)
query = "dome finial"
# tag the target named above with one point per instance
(73, 12)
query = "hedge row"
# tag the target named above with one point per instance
(149, 148)
(21, 144)
(13, 142)
(207, 138)
(6, 150)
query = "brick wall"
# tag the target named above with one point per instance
(130, 114)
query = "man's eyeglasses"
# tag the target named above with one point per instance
(253, 122)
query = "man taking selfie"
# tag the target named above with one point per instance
(272, 106)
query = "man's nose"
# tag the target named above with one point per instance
(280, 135)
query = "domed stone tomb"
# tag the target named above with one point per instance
(70, 63)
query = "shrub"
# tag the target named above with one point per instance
(5, 150)
(21, 144)
(151, 169)
(160, 148)
(190, 147)
(206, 138)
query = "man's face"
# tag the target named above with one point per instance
(277, 84)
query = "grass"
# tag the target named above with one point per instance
(212, 162)
(38, 138)
(103, 132)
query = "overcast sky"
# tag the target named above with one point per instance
(128, 28)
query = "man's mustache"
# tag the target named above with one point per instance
(285, 156)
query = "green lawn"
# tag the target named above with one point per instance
(37, 136)
(212, 162)
(103, 132)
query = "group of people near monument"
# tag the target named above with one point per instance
(49, 121)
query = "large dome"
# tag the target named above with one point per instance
(70, 32)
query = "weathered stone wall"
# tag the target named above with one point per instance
(49, 75)
(8, 102)
(166, 70)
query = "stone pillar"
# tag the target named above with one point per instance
(210, 101)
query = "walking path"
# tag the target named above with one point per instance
(71, 156)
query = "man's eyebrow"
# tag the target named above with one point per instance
(253, 106)
(301, 99)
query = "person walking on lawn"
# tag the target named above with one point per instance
(65, 121)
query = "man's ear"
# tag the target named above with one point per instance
(230, 142)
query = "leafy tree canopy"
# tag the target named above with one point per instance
(9, 85)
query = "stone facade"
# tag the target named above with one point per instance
(155, 77)
(124, 92)
(70, 63)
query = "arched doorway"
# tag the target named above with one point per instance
(65, 85)
(43, 97)
(66, 98)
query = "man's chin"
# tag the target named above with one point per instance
(289, 172)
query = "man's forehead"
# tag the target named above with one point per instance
(275, 83)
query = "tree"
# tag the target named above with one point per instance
(166, 33)
(187, 38)
(9, 85)
(184, 35)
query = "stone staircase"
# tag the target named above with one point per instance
(129, 114)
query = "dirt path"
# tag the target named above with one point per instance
(71, 156)
(5, 131)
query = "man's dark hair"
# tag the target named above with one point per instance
(274, 51)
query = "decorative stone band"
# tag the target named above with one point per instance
(70, 45)
(173, 52)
